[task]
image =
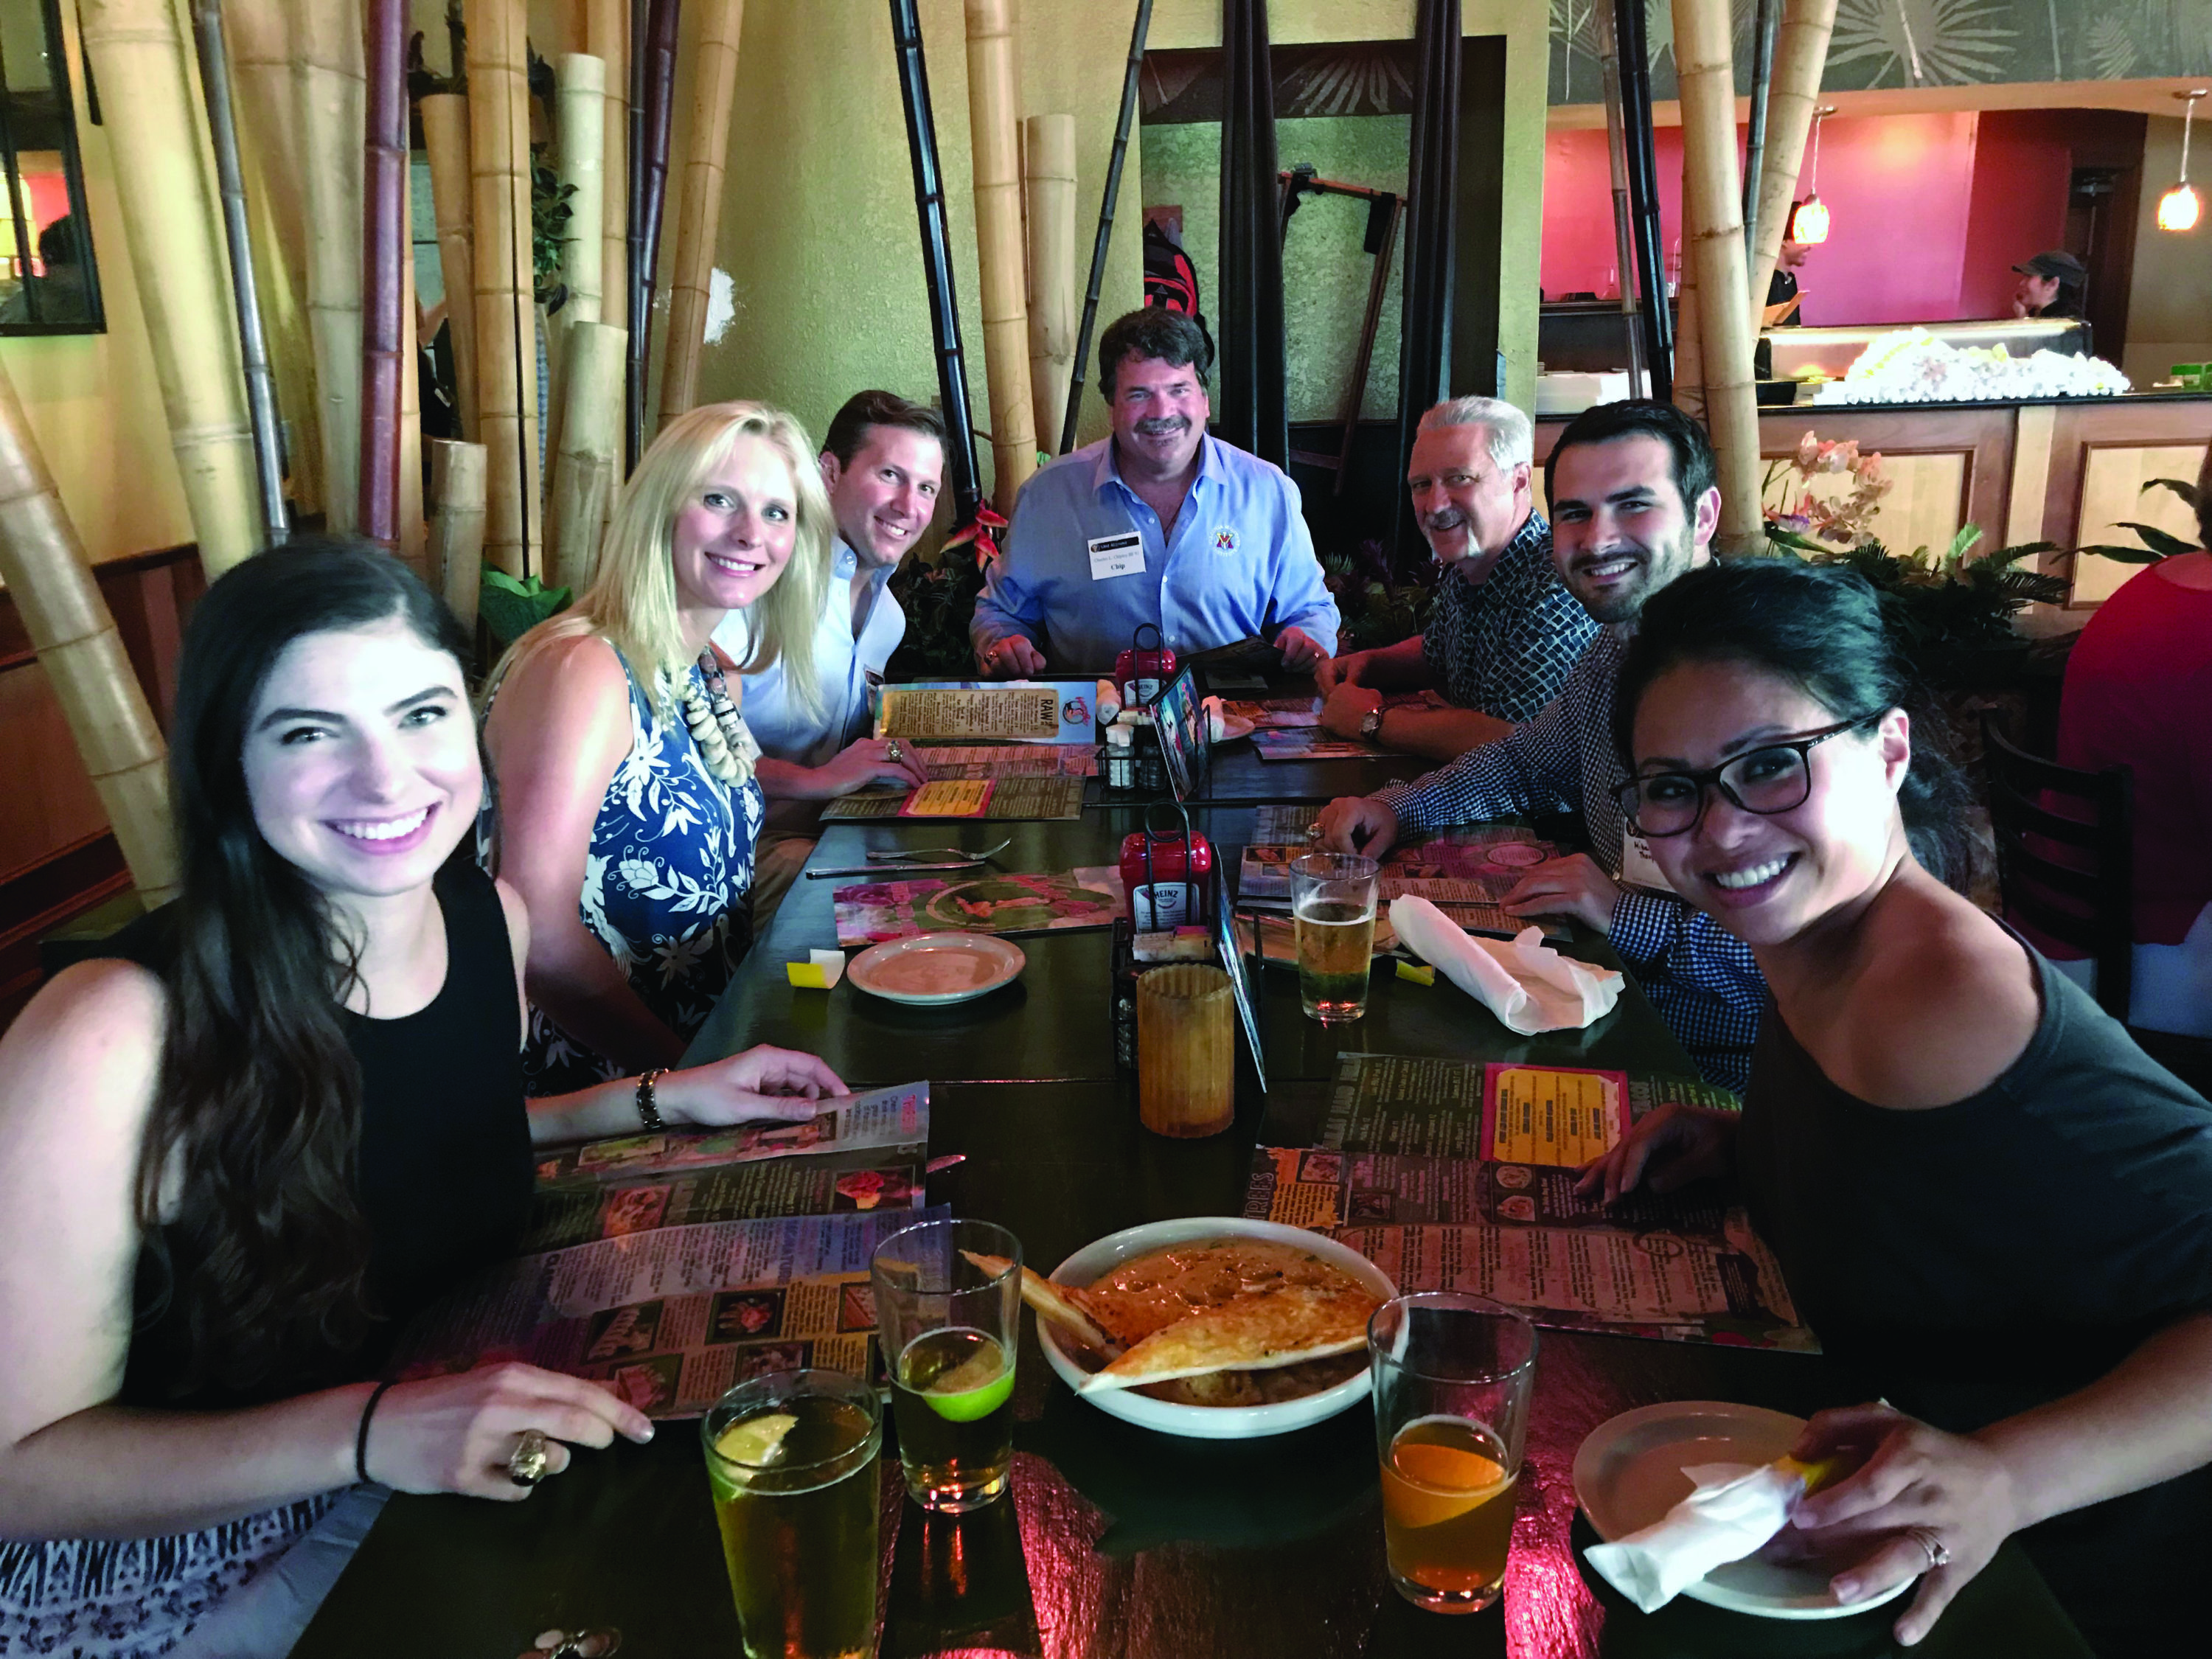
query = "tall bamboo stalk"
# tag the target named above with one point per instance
(446, 136)
(1624, 213)
(457, 523)
(1132, 71)
(699, 203)
(607, 37)
(140, 56)
(994, 134)
(652, 109)
(582, 144)
(414, 534)
(326, 46)
(1689, 347)
(253, 345)
(1713, 224)
(1801, 53)
(385, 243)
(44, 566)
(506, 339)
(587, 469)
(1048, 178)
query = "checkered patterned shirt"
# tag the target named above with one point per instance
(1700, 977)
(1506, 645)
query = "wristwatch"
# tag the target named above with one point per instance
(1370, 723)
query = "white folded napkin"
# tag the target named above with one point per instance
(1733, 1511)
(1221, 725)
(1529, 986)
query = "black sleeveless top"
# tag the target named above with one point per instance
(444, 1170)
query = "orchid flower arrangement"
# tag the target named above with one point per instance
(1843, 520)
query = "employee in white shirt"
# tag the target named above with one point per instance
(882, 462)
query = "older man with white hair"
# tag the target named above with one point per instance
(1504, 633)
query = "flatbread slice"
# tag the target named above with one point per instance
(1049, 1301)
(1250, 1334)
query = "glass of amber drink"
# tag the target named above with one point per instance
(1452, 1375)
(948, 1307)
(790, 1457)
(1333, 915)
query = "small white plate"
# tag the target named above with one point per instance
(1629, 1473)
(932, 970)
(1209, 1422)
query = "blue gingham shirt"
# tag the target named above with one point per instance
(1506, 645)
(1700, 977)
(1240, 562)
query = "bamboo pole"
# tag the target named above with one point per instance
(1132, 72)
(582, 79)
(332, 88)
(44, 566)
(994, 133)
(446, 136)
(414, 534)
(652, 109)
(1623, 231)
(1801, 53)
(699, 203)
(588, 468)
(507, 343)
(385, 244)
(1048, 176)
(1689, 347)
(607, 37)
(140, 56)
(457, 524)
(1713, 221)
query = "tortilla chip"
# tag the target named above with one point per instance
(1050, 1301)
(1252, 1332)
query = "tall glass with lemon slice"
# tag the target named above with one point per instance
(948, 1305)
(1452, 1376)
(792, 1460)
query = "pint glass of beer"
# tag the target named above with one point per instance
(1333, 910)
(1452, 1375)
(792, 1460)
(948, 1309)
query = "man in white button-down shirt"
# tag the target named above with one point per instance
(883, 461)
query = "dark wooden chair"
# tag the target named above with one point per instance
(2066, 856)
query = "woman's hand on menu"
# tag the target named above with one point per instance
(1917, 1482)
(864, 764)
(456, 1434)
(779, 1084)
(1673, 1146)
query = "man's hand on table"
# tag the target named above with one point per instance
(1333, 672)
(1356, 824)
(1011, 657)
(1347, 706)
(1302, 652)
(1571, 886)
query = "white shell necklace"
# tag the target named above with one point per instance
(725, 743)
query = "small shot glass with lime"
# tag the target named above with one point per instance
(948, 1303)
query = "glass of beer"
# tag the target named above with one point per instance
(948, 1306)
(792, 1460)
(1452, 1375)
(1333, 910)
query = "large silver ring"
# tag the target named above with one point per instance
(894, 752)
(1939, 1552)
(531, 1459)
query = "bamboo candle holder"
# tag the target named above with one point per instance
(1186, 1051)
(44, 566)
(1048, 178)
(141, 56)
(994, 129)
(588, 468)
(332, 90)
(506, 308)
(1801, 53)
(699, 203)
(446, 136)
(457, 523)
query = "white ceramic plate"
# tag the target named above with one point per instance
(932, 970)
(1629, 1473)
(1209, 1422)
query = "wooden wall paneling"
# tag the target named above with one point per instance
(2101, 454)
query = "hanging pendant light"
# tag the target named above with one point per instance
(1808, 223)
(2180, 207)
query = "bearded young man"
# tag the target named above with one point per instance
(1634, 506)
(1505, 634)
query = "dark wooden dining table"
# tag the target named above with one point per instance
(1116, 1543)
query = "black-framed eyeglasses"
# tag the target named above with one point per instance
(1775, 777)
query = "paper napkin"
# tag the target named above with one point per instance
(820, 971)
(1525, 983)
(1733, 1511)
(1221, 725)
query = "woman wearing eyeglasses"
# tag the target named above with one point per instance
(1992, 1208)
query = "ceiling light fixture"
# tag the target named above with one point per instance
(2180, 207)
(1808, 224)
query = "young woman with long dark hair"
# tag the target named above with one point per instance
(1993, 1209)
(281, 1115)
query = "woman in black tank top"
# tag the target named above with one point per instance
(1990, 1205)
(286, 1112)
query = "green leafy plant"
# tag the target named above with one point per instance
(939, 597)
(511, 608)
(2156, 544)
(549, 214)
(1938, 601)
(1375, 608)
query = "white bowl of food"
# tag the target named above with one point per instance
(1211, 1326)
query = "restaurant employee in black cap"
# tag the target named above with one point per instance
(2050, 285)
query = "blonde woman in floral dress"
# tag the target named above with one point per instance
(627, 807)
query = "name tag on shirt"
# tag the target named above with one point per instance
(1116, 555)
(1637, 868)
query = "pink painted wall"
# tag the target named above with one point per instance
(1923, 226)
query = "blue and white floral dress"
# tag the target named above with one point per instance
(668, 882)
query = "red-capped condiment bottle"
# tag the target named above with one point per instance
(1169, 877)
(1140, 670)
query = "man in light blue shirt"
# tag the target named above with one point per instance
(1158, 524)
